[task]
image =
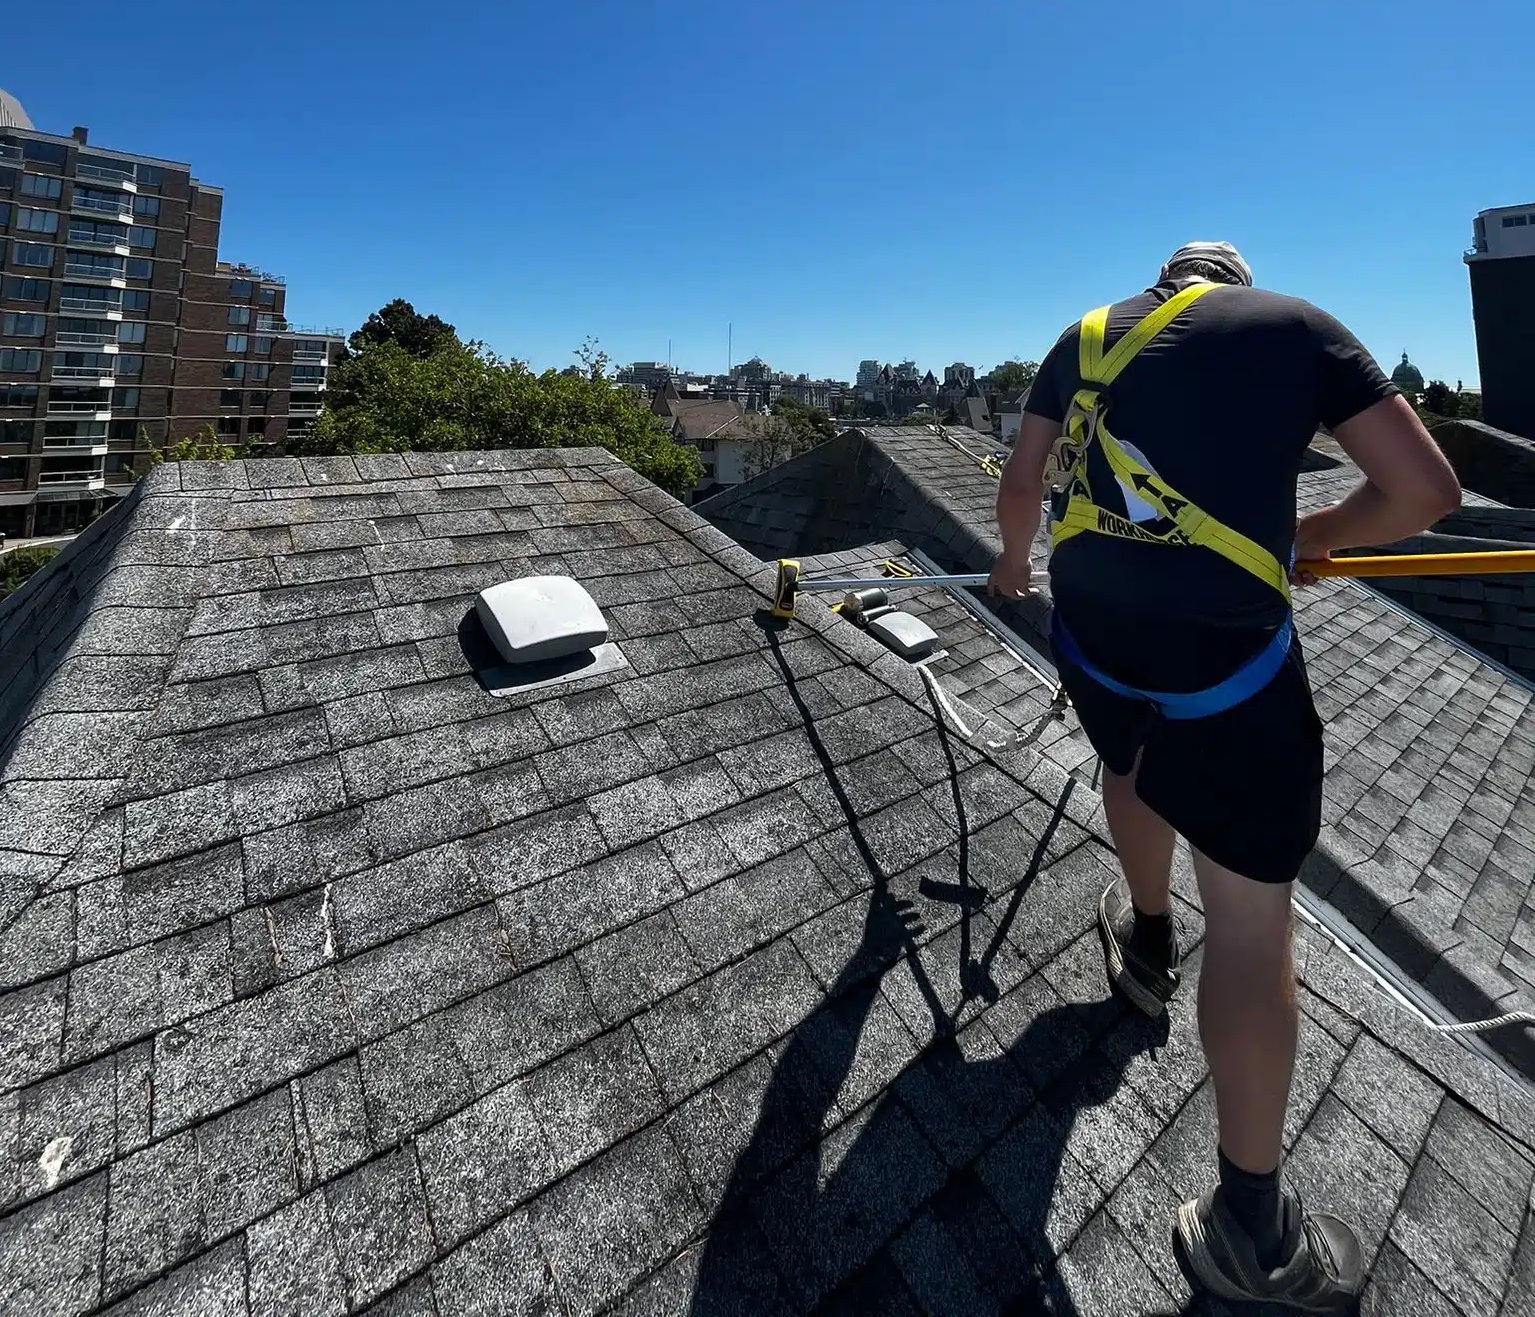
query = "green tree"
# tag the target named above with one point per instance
(203, 445)
(769, 439)
(1440, 400)
(1469, 406)
(1012, 377)
(399, 323)
(19, 564)
(811, 425)
(462, 397)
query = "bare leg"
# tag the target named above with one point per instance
(1144, 843)
(1247, 1011)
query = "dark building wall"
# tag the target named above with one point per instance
(1503, 307)
(1496, 464)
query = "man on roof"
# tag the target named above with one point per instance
(1169, 429)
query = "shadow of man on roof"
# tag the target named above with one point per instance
(945, 1176)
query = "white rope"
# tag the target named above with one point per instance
(1525, 1018)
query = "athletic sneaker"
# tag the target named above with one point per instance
(1324, 1273)
(1147, 980)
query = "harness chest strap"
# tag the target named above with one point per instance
(1085, 425)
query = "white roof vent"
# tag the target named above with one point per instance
(545, 630)
(908, 636)
(541, 617)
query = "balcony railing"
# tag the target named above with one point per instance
(10, 152)
(104, 205)
(76, 479)
(103, 408)
(268, 324)
(77, 238)
(85, 340)
(82, 372)
(309, 356)
(308, 405)
(76, 447)
(92, 304)
(81, 270)
(104, 174)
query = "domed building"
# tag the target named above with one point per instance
(11, 113)
(1408, 378)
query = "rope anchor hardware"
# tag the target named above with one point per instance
(788, 585)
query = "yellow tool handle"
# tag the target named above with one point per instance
(1424, 564)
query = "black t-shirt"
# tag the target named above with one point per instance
(1222, 404)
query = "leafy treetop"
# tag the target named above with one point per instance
(461, 396)
(399, 323)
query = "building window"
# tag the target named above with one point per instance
(312, 375)
(269, 297)
(30, 290)
(140, 235)
(240, 288)
(229, 425)
(146, 207)
(23, 324)
(139, 268)
(45, 186)
(34, 254)
(126, 400)
(260, 371)
(45, 153)
(234, 370)
(136, 299)
(18, 395)
(262, 344)
(21, 361)
(239, 315)
(5, 213)
(15, 432)
(123, 431)
(230, 397)
(1509, 221)
(258, 402)
(37, 221)
(131, 331)
(150, 175)
(235, 342)
(129, 364)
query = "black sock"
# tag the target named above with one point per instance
(1256, 1203)
(1153, 934)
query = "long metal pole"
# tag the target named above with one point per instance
(1404, 564)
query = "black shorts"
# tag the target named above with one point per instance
(1244, 787)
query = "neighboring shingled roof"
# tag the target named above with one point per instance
(1428, 843)
(331, 979)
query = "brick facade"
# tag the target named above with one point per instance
(183, 376)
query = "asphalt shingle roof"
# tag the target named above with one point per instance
(333, 983)
(1428, 843)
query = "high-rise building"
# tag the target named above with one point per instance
(120, 328)
(868, 373)
(1502, 268)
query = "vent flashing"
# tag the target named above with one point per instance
(547, 630)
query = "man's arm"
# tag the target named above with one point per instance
(1020, 493)
(1408, 483)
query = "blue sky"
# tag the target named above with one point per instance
(839, 179)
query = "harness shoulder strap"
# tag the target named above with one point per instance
(1100, 368)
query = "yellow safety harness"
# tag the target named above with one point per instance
(1181, 522)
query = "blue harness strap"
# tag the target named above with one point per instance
(1243, 684)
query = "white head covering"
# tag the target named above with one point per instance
(1222, 254)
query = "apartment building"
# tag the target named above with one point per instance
(1501, 264)
(122, 330)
